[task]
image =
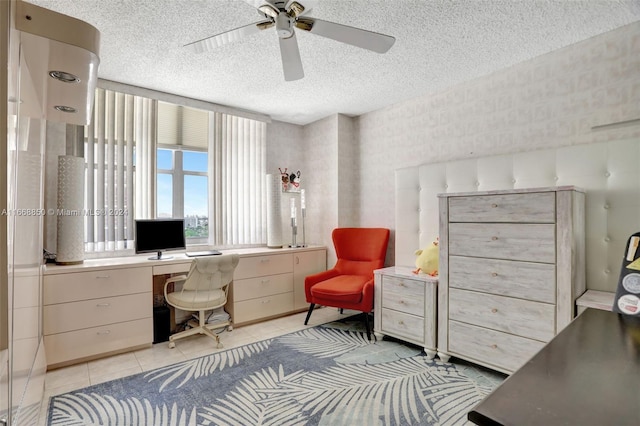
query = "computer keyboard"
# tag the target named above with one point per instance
(202, 253)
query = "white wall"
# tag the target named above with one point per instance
(550, 101)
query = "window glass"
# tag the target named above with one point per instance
(164, 159)
(196, 216)
(164, 196)
(194, 161)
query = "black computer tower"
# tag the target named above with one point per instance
(161, 323)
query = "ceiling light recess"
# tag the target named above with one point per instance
(65, 77)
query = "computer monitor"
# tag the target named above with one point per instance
(158, 235)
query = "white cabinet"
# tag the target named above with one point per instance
(511, 268)
(92, 313)
(267, 285)
(405, 306)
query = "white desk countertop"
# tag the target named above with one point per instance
(178, 258)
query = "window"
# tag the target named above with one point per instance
(147, 158)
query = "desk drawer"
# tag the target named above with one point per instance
(526, 242)
(253, 309)
(71, 316)
(535, 207)
(490, 347)
(259, 266)
(533, 320)
(403, 295)
(71, 287)
(525, 280)
(252, 288)
(410, 327)
(65, 347)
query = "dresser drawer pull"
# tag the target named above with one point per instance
(103, 305)
(494, 346)
(494, 274)
(265, 260)
(494, 310)
(401, 302)
(400, 322)
(102, 333)
(494, 238)
(103, 277)
(264, 282)
(493, 206)
(265, 301)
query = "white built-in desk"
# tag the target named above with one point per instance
(104, 306)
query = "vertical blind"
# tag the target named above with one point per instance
(120, 181)
(237, 179)
(116, 189)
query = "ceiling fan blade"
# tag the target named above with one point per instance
(343, 33)
(291, 62)
(218, 40)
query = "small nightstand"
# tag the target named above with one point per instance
(405, 306)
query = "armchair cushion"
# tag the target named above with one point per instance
(347, 288)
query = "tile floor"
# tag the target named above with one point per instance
(90, 373)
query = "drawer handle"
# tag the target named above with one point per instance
(264, 282)
(401, 302)
(494, 238)
(493, 206)
(494, 346)
(103, 332)
(266, 301)
(494, 310)
(494, 274)
(400, 322)
(102, 277)
(265, 260)
(103, 305)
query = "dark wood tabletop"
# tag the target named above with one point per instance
(589, 374)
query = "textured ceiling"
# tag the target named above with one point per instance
(438, 44)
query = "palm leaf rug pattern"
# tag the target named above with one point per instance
(325, 375)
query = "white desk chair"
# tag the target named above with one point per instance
(205, 288)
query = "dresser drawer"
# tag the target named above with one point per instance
(525, 280)
(71, 316)
(400, 324)
(403, 295)
(60, 288)
(527, 242)
(65, 347)
(252, 288)
(253, 309)
(505, 352)
(533, 320)
(259, 266)
(535, 207)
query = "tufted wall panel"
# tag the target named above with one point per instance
(609, 172)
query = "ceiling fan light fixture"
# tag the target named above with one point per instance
(265, 25)
(269, 10)
(296, 9)
(304, 24)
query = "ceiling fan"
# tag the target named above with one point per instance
(286, 15)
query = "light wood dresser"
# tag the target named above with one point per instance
(511, 267)
(405, 306)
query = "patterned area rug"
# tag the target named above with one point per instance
(325, 375)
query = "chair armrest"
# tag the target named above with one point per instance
(172, 280)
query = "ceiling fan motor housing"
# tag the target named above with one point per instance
(283, 25)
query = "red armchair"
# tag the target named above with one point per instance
(349, 285)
